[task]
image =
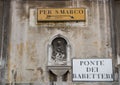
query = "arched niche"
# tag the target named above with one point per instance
(59, 48)
(59, 51)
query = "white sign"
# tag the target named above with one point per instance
(92, 70)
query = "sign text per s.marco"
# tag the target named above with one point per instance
(61, 14)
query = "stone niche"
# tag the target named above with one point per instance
(59, 59)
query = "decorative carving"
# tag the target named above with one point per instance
(59, 49)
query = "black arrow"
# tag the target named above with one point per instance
(48, 16)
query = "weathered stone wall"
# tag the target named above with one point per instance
(116, 13)
(117, 26)
(4, 33)
(1, 13)
(29, 41)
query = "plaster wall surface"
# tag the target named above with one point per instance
(29, 41)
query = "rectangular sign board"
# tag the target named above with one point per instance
(61, 14)
(92, 70)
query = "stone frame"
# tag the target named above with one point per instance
(68, 51)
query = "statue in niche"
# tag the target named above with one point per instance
(59, 49)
